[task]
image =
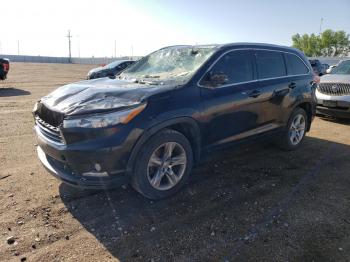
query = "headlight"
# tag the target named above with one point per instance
(104, 120)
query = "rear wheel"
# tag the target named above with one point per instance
(295, 131)
(163, 165)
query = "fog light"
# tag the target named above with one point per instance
(98, 167)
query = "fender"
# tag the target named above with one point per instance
(155, 128)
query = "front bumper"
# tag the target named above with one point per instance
(331, 105)
(75, 164)
(63, 173)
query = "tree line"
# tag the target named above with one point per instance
(328, 43)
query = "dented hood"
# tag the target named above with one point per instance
(99, 95)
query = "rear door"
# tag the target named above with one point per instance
(273, 85)
(299, 80)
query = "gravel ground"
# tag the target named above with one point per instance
(252, 203)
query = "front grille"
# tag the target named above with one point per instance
(49, 131)
(50, 117)
(335, 89)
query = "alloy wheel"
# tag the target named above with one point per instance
(297, 129)
(166, 166)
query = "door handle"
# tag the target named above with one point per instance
(281, 92)
(292, 85)
(254, 93)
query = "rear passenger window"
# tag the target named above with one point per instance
(270, 64)
(295, 65)
(234, 67)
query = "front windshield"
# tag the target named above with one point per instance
(342, 69)
(177, 63)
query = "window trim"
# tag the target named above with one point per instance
(255, 69)
(286, 52)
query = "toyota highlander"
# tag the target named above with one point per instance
(150, 124)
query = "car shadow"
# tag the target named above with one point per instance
(228, 194)
(11, 91)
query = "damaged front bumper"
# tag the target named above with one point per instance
(61, 172)
(90, 164)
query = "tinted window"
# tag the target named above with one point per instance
(270, 64)
(295, 66)
(235, 66)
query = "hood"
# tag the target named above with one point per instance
(99, 95)
(94, 70)
(335, 78)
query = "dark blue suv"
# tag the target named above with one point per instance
(152, 123)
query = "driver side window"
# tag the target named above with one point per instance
(232, 68)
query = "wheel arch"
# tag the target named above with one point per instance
(307, 106)
(185, 125)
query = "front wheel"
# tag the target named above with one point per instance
(295, 131)
(163, 165)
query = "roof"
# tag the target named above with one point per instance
(242, 44)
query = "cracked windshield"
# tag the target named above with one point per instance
(171, 64)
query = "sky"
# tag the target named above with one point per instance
(105, 28)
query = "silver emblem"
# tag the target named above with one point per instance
(335, 87)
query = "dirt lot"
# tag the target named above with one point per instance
(253, 203)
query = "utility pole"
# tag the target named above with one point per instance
(321, 23)
(17, 47)
(78, 45)
(115, 48)
(69, 36)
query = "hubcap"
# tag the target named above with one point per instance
(166, 166)
(297, 129)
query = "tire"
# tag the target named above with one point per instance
(152, 163)
(286, 137)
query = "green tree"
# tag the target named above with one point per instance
(329, 43)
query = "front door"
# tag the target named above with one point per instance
(231, 98)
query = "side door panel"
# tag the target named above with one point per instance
(229, 110)
(273, 83)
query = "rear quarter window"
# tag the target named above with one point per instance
(295, 66)
(270, 64)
